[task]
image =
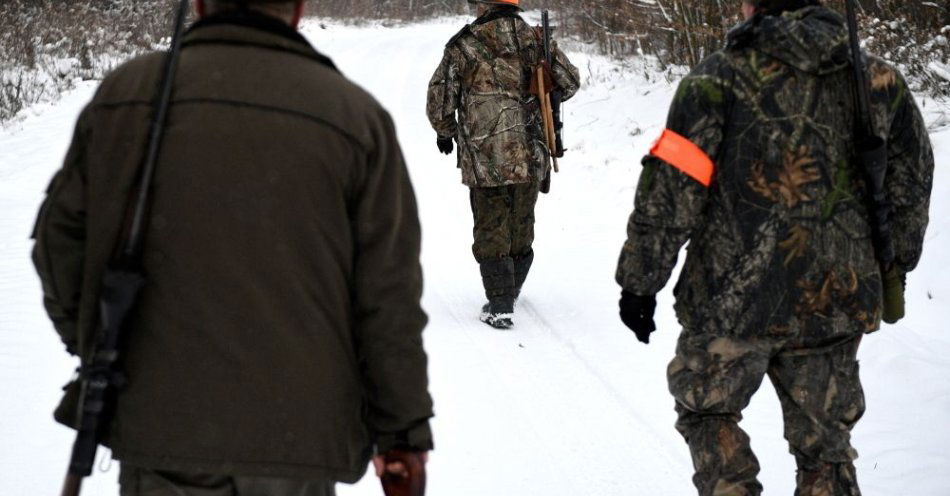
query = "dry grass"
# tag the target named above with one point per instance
(407, 10)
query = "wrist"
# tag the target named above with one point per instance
(630, 295)
(415, 439)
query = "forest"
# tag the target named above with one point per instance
(47, 44)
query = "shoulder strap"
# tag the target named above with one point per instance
(462, 32)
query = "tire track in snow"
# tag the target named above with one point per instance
(480, 421)
(614, 393)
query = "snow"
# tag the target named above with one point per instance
(941, 70)
(566, 404)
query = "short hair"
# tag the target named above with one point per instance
(776, 7)
(279, 8)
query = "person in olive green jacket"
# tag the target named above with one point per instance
(277, 343)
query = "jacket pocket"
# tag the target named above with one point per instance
(67, 412)
(54, 183)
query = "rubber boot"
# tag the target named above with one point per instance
(522, 267)
(498, 277)
(838, 479)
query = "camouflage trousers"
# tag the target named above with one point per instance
(713, 379)
(504, 220)
(135, 481)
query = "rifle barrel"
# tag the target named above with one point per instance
(554, 99)
(871, 154)
(546, 25)
(860, 76)
(156, 133)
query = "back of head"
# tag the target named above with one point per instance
(777, 7)
(276, 8)
(799, 33)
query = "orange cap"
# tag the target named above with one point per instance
(497, 2)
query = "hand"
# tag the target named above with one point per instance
(636, 312)
(445, 145)
(403, 473)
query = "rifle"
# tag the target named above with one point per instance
(871, 156)
(555, 94)
(550, 113)
(122, 282)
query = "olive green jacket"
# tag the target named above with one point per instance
(279, 332)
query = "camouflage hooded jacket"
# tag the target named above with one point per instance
(484, 76)
(780, 239)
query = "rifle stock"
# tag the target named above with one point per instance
(550, 102)
(72, 486)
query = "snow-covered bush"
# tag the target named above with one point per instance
(385, 9)
(910, 33)
(47, 45)
(923, 56)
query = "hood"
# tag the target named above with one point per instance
(494, 31)
(813, 39)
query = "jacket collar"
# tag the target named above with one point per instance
(249, 28)
(498, 12)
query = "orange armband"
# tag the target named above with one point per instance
(683, 154)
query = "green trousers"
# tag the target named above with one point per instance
(135, 481)
(504, 220)
(713, 379)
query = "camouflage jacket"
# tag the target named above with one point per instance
(780, 240)
(484, 76)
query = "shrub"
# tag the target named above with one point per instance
(46, 45)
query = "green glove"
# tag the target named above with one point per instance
(893, 295)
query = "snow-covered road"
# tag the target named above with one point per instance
(566, 404)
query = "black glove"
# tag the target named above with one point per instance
(636, 312)
(445, 145)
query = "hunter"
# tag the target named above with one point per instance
(277, 345)
(756, 171)
(480, 98)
